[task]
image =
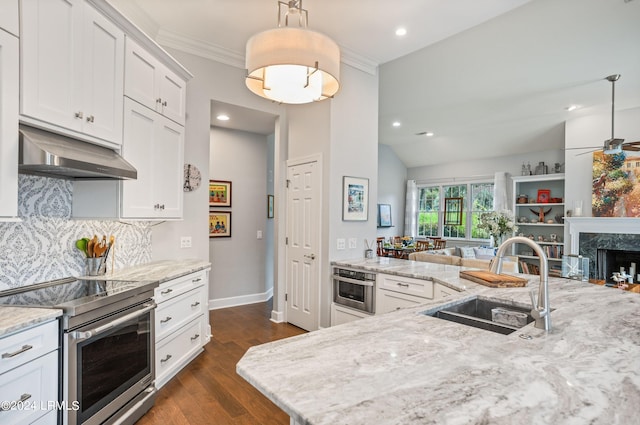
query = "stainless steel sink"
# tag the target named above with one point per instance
(477, 312)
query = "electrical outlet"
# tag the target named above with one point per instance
(353, 243)
(341, 243)
(185, 242)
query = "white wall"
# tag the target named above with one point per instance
(239, 261)
(392, 185)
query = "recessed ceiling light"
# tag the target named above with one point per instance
(401, 32)
(396, 124)
(425, 133)
(223, 117)
(571, 108)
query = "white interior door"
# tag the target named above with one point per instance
(303, 246)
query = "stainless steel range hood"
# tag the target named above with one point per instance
(52, 155)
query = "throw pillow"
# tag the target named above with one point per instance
(466, 252)
(484, 253)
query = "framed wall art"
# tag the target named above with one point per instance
(219, 193)
(453, 211)
(355, 202)
(269, 206)
(219, 224)
(543, 196)
(384, 215)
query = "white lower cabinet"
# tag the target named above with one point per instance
(340, 314)
(29, 375)
(387, 301)
(396, 292)
(181, 323)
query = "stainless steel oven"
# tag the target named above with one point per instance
(108, 352)
(354, 288)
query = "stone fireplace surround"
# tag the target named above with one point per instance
(587, 234)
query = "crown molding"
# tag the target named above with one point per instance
(233, 58)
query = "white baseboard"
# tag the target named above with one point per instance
(240, 300)
(277, 316)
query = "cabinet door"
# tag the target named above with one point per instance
(387, 301)
(138, 197)
(8, 125)
(173, 96)
(9, 16)
(103, 77)
(168, 169)
(141, 70)
(50, 43)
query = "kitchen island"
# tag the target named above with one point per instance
(406, 367)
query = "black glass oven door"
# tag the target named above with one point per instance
(351, 291)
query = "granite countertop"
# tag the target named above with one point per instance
(13, 319)
(160, 271)
(405, 367)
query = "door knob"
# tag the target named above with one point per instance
(311, 256)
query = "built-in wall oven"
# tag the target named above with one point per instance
(354, 288)
(108, 355)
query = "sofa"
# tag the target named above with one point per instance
(472, 257)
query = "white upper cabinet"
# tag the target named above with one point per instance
(154, 145)
(8, 125)
(72, 70)
(9, 16)
(152, 84)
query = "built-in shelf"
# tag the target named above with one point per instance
(535, 257)
(546, 204)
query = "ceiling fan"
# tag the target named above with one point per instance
(613, 145)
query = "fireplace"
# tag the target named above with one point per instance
(594, 237)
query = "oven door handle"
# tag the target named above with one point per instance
(354, 281)
(84, 335)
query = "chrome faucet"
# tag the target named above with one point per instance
(541, 311)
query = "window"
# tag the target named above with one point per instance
(476, 198)
(428, 211)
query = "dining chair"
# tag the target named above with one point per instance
(422, 245)
(439, 243)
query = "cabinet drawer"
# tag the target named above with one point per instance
(405, 285)
(178, 311)
(387, 301)
(173, 353)
(22, 347)
(36, 383)
(175, 287)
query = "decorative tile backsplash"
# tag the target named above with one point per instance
(42, 246)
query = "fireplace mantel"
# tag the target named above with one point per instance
(613, 225)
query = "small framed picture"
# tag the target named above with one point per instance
(219, 193)
(355, 199)
(269, 206)
(219, 224)
(543, 196)
(384, 215)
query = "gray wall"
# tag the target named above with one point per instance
(392, 184)
(238, 262)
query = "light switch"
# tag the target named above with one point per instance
(353, 243)
(259, 234)
(341, 243)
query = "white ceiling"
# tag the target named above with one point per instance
(489, 77)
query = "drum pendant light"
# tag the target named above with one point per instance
(292, 65)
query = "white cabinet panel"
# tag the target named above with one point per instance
(387, 301)
(72, 69)
(340, 315)
(9, 16)
(9, 98)
(154, 145)
(22, 347)
(153, 85)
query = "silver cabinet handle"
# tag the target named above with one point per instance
(164, 103)
(196, 336)
(79, 114)
(15, 353)
(404, 285)
(90, 118)
(196, 280)
(7, 406)
(166, 359)
(196, 304)
(159, 100)
(168, 291)
(166, 320)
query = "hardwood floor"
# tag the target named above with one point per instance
(208, 390)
